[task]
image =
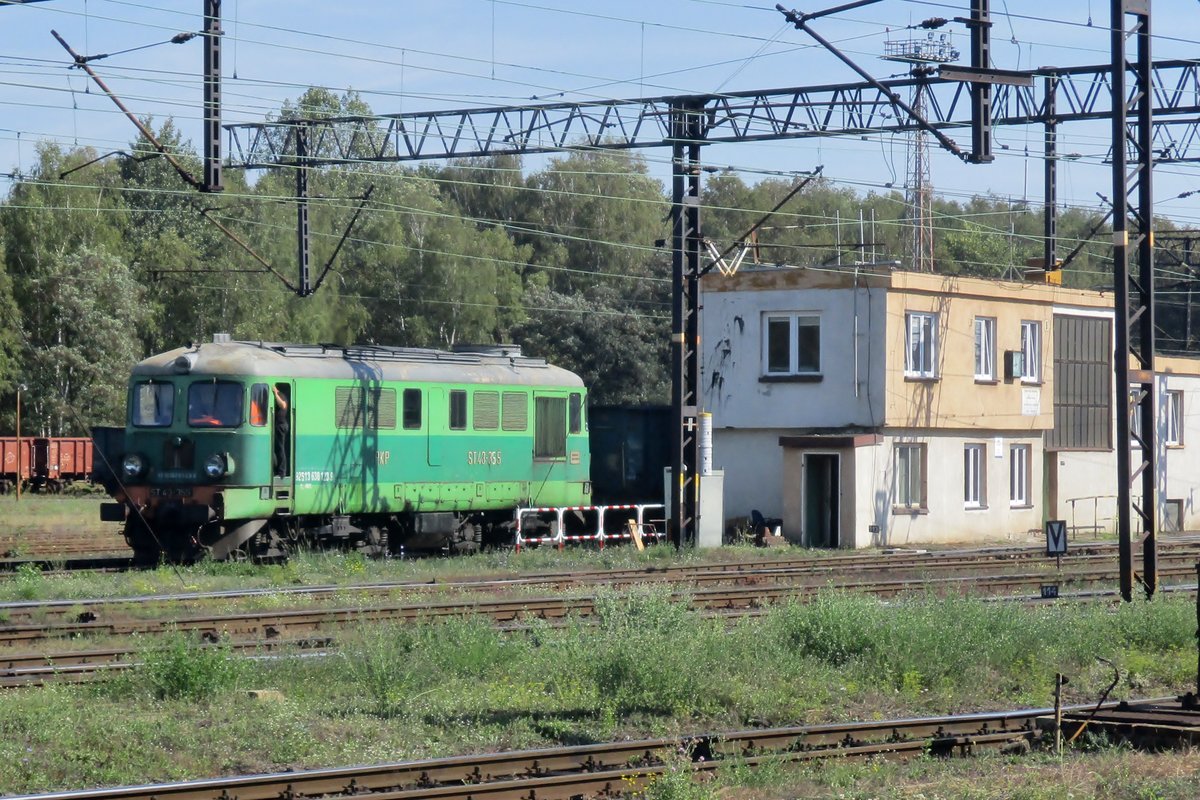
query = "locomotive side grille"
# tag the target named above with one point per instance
(348, 407)
(487, 411)
(354, 408)
(381, 409)
(515, 411)
(178, 456)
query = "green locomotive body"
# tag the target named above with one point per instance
(243, 449)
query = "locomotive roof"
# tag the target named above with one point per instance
(500, 364)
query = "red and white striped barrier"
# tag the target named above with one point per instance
(557, 526)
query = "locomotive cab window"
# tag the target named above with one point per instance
(153, 404)
(412, 409)
(215, 404)
(550, 427)
(575, 413)
(458, 409)
(260, 397)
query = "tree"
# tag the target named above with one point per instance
(619, 348)
(81, 342)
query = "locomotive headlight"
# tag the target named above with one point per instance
(218, 465)
(133, 465)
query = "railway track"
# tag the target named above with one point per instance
(609, 769)
(854, 571)
(106, 559)
(266, 635)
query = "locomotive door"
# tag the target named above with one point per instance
(435, 423)
(283, 426)
(549, 441)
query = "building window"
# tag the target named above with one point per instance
(1018, 474)
(920, 357)
(974, 476)
(910, 475)
(985, 349)
(1174, 429)
(1031, 349)
(792, 344)
(1135, 419)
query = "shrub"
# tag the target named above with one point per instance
(178, 666)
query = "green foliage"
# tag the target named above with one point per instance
(178, 666)
(29, 581)
(678, 781)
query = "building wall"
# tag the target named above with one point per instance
(955, 399)
(1180, 475)
(753, 464)
(849, 389)
(1086, 497)
(945, 517)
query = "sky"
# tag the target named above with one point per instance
(413, 55)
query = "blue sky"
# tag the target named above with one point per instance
(405, 55)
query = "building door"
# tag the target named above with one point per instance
(821, 494)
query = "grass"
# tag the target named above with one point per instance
(311, 568)
(1111, 774)
(45, 512)
(648, 666)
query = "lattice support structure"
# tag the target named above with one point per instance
(1133, 264)
(687, 132)
(920, 191)
(212, 96)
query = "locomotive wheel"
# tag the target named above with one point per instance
(375, 542)
(467, 539)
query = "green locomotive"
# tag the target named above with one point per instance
(249, 450)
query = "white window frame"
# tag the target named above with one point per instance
(1173, 429)
(910, 487)
(975, 476)
(921, 336)
(1020, 456)
(796, 320)
(1031, 348)
(985, 348)
(1135, 419)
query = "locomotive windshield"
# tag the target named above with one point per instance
(153, 404)
(215, 404)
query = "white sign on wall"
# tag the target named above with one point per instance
(1031, 402)
(998, 447)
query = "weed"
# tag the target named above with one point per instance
(380, 663)
(177, 666)
(29, 581)
(678, 781)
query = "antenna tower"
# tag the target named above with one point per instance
(922, 54)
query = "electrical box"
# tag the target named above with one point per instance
(1014, 365)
